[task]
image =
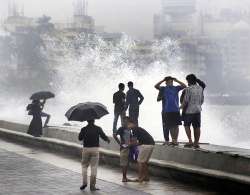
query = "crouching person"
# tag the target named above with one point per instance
(90, 155)
(146, 145)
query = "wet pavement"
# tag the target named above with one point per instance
(29, 171)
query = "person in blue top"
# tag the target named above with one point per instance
(170, 107)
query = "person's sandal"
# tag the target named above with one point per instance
(188, 145)
(94, 189)
(173, 144)
(83, 187)
(196, 146)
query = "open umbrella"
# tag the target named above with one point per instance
(42, 95)
(86, 111)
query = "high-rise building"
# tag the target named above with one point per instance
(176, 18)
(80, 7)
(82, 21)
(178, 8)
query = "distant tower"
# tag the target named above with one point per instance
(80, 7)
(176, 18)
(179, 9)
(14, 10)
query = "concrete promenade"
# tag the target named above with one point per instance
(223, 169)
(32, 171)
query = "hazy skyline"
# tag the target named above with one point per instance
(134, 17)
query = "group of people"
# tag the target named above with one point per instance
(191, 101)
(130, 136)
(134, 140)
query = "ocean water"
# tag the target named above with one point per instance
(93, 74)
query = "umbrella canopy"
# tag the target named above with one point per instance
(42, 95)
(86, 111)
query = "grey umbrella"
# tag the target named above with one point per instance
(86, 111)
(42, 95)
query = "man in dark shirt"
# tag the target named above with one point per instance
(119, 99)
(133, 101)
(90, 155)
(146, 146)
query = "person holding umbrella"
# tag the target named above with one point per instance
(90, 136)
(43, 95)
(35, 127)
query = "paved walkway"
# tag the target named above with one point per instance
(30, 171)
(22, 175)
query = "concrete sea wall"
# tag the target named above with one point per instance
(224, 168)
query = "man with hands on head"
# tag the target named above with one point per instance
(170, 107)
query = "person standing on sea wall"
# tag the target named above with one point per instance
(166, 130)
(35, 127)
(192, 102)
(170, 108)
(119, 100)
(133, 101)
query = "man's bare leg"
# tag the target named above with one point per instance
(124, 173)
(197, 133)
(188, 132)
(174, 131)
(146, 178)
(143, 172)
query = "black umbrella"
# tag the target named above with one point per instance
(42, 95)
(86, 111)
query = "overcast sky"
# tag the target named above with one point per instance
(134, 17)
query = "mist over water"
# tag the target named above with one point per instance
(90, 69)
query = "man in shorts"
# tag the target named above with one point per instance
(193, 100)
(146, 146)
(170, 109)
(125, 135)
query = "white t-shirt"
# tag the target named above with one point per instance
(194, 98)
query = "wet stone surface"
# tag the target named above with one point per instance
(22, 175)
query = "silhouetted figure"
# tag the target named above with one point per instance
(90, 155)
(133, 101)
(166, 131)
(119, 99)
(43, 114)
(35, 127)
(192, 102)
(171, 110)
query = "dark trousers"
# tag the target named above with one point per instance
(166, 130)
(134, 113)
(122, 115)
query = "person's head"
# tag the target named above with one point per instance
(191, 79)
(169, 80)
(130, 84)
(130, 123)
(91, 122)
(121, 86)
